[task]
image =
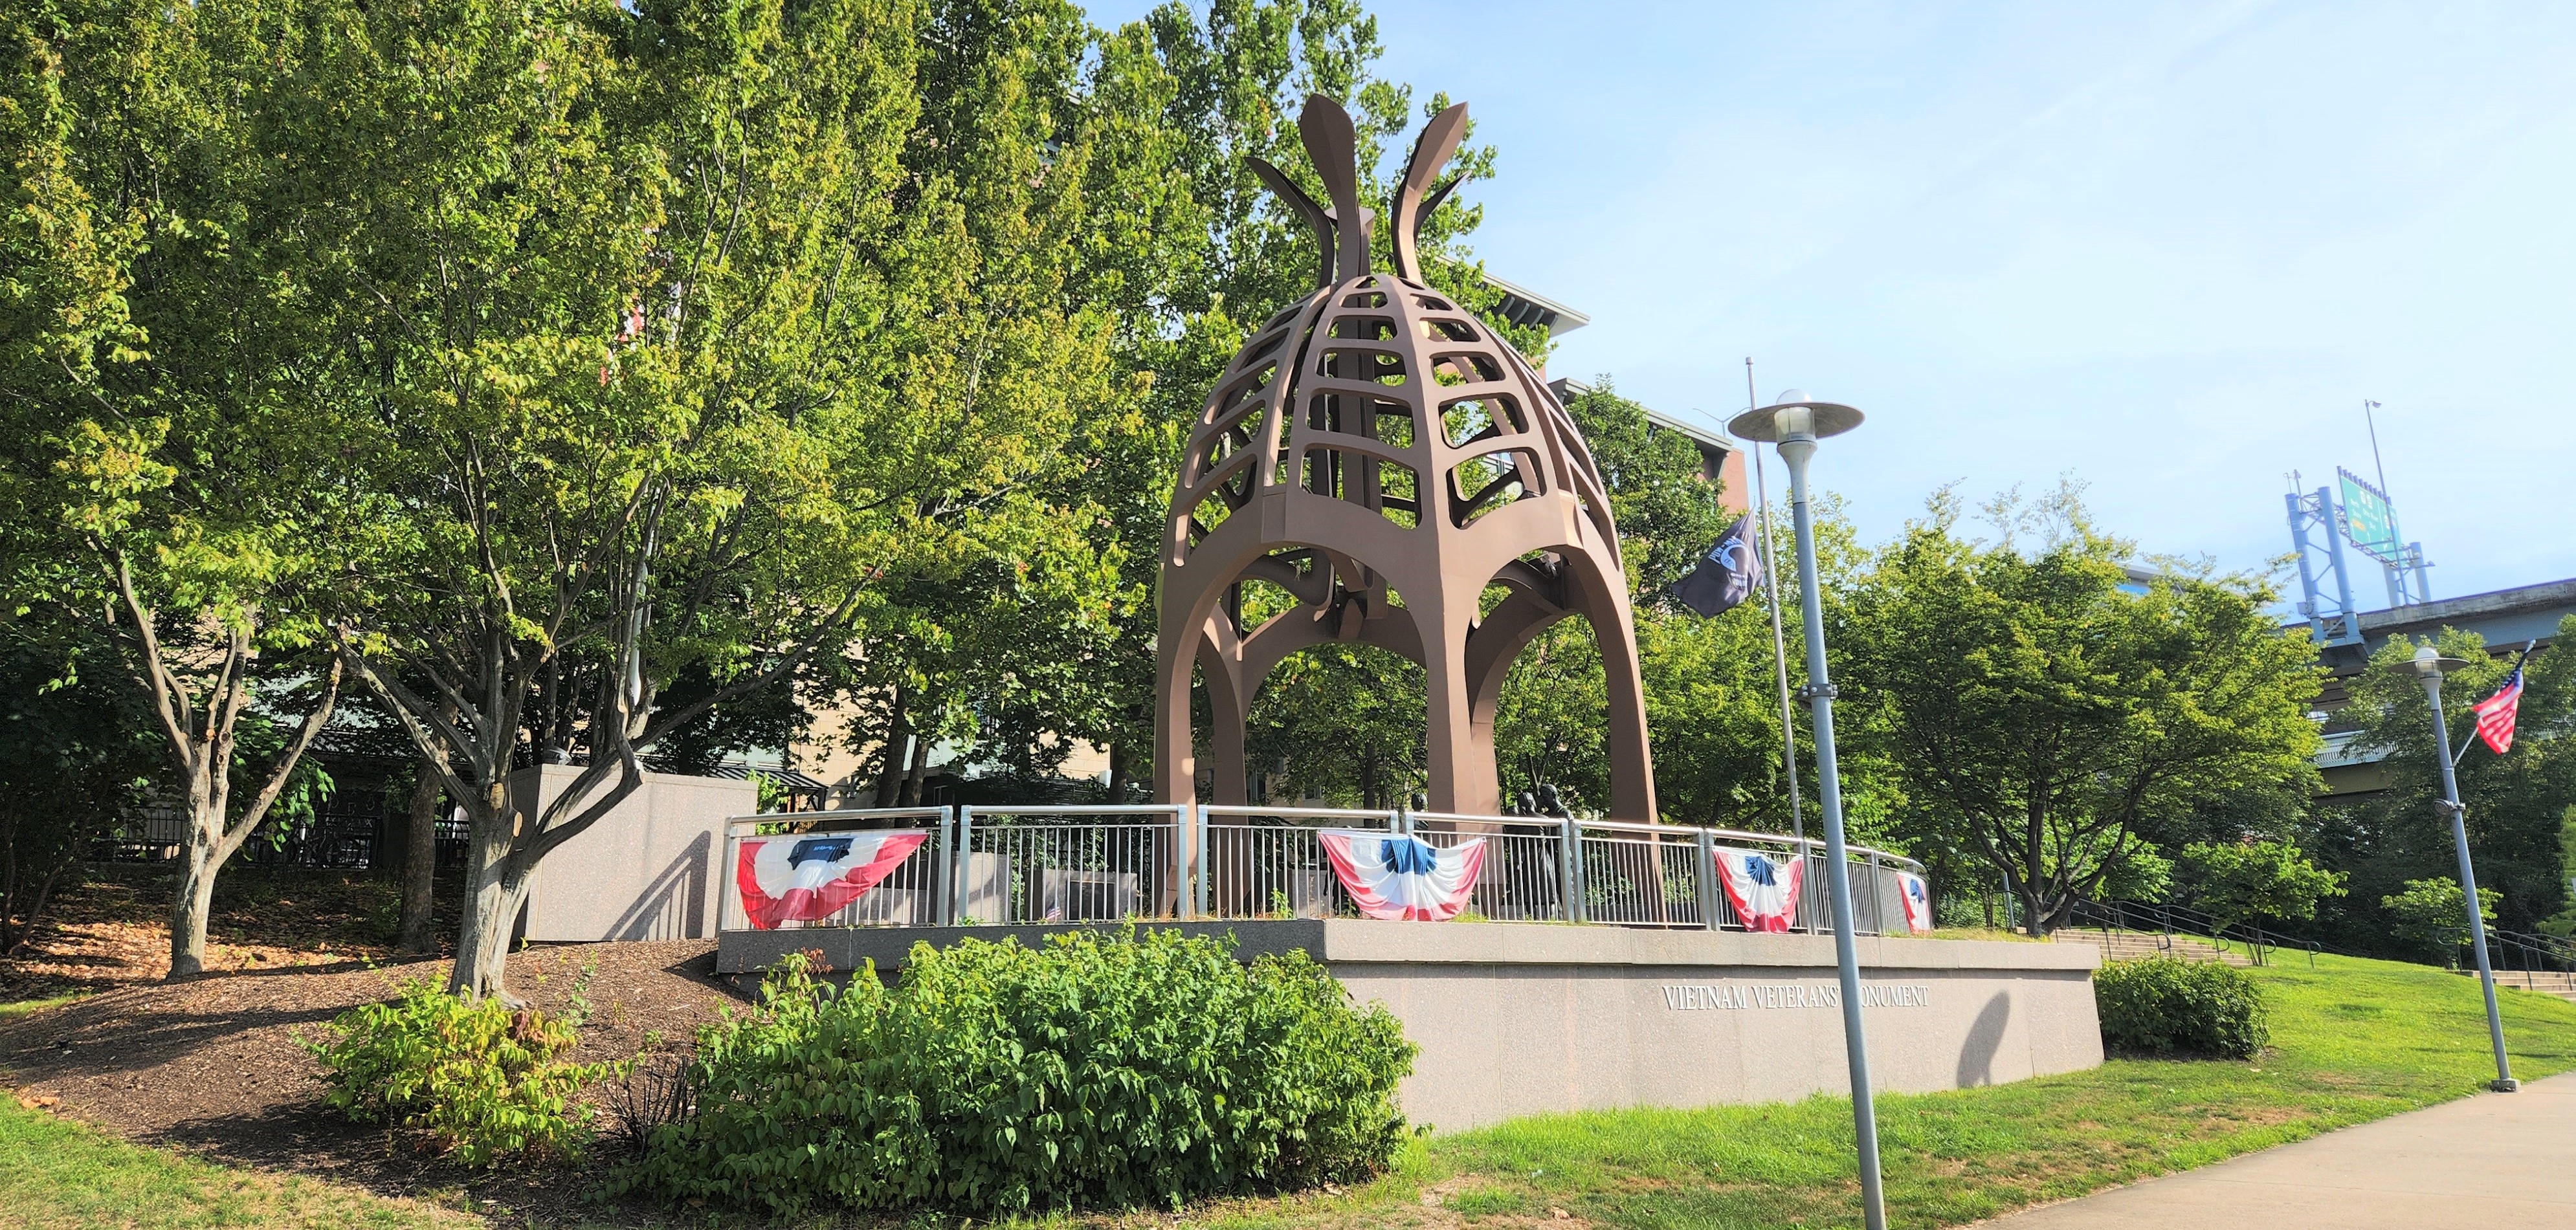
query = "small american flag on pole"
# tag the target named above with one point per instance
(2495, 714)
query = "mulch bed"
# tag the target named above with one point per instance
(113, 930)
(212, 1066)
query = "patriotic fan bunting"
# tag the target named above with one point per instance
(1763, 890)
(2495, 714)
(801, 879)
(1393, 876)
(1918, 902)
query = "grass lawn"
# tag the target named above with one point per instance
(18, 1008)
(60, 1175)
(2353, 1040)
(56, 1174)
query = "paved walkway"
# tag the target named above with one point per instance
(2495, 1161)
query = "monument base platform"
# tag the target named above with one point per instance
(1528, 1018)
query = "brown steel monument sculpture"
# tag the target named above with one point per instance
(1381, 455)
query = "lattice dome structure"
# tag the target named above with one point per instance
(1376, 451)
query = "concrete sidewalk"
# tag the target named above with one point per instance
(2489, 1162)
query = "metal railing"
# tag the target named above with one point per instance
(2167, 921)
(1062, 863)
(1066, 863)
(1526, 877)
(2511, 951)
(914, 893)
(1267, 862)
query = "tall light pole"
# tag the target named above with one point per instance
(1793, 424)
(1779, 641)
(2429, 665)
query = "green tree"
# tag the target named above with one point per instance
(1341, 723)
(2433, 914)
(2517, 802)
(686, 326)
(2038, 715)
(77, 750)
(164, 478)
(2255, 881)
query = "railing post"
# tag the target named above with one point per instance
(1877, 900)
(1708, 878)
(943, 904)
(963, 858)
(1199, 861)
(1569, 856)
(732, 856)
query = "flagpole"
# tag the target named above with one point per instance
(1779, 640)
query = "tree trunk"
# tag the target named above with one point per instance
(507, 847)
(490, 968)
(898, 744)
(912, 778)
(1118, 773)
(483, 938)
(418, 931)
(188, 912)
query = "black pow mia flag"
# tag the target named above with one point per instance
(1725, 576)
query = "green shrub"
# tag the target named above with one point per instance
(483, 1082)
(2165, 1006)
(1117, 1070)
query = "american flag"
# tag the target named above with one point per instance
(2496, 713)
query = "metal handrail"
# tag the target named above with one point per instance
(2196, 923)
(822, 817)
(1811, 844)
(2549, 947)
(1312, 813)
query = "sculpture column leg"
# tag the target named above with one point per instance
(1229, 704)
(1448, 718)
(1175, 765)
(1491, 649)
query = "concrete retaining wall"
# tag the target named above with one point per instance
(646, 871)
(1525, 1018)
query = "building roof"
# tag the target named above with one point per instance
(1705, 436)
(1525, 307)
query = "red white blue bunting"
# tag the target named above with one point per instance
(801, 879)
(1394, 876)
(1918, 902)
(1763, 890)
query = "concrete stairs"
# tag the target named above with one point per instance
(2540, 982)
(2131, 945)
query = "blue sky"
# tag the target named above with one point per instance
(2164, 248)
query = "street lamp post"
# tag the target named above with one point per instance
(2429, 665)
(1794, 424)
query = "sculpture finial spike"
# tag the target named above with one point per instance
(1431, 152)
(1317, 217)
(1333, 144)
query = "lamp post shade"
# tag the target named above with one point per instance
(1770, 425)
(2429, 661)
